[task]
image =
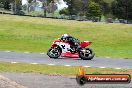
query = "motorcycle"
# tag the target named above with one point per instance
(64, 49)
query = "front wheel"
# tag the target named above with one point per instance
(86, 54)
(54, 52)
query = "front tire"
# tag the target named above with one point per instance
(54, 52)
(86, 54)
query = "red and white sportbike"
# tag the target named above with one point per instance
(63, 49)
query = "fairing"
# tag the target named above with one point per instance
(85, 44)
(69, 54)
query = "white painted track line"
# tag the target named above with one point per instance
(67, 65)
(7, 51)
(42, 53)
(27, 52)
(51, 64)
(117, 68)
(14, 62)
(87, 66)
(34, 63)
(102, 67)
(107, 57)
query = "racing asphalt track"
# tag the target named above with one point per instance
(41, 58)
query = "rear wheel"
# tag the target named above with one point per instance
(86, 54)
(54, 52)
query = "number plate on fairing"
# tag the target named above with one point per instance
(65, 46)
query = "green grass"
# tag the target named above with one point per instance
(59, 70)
(18, 33)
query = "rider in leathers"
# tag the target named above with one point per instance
(72, 41)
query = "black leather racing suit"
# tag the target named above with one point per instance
(72, 41)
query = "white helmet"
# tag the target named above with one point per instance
(65, 35)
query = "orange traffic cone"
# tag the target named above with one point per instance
(82, 71)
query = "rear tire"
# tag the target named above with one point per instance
(87, 55)
(54, 52)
